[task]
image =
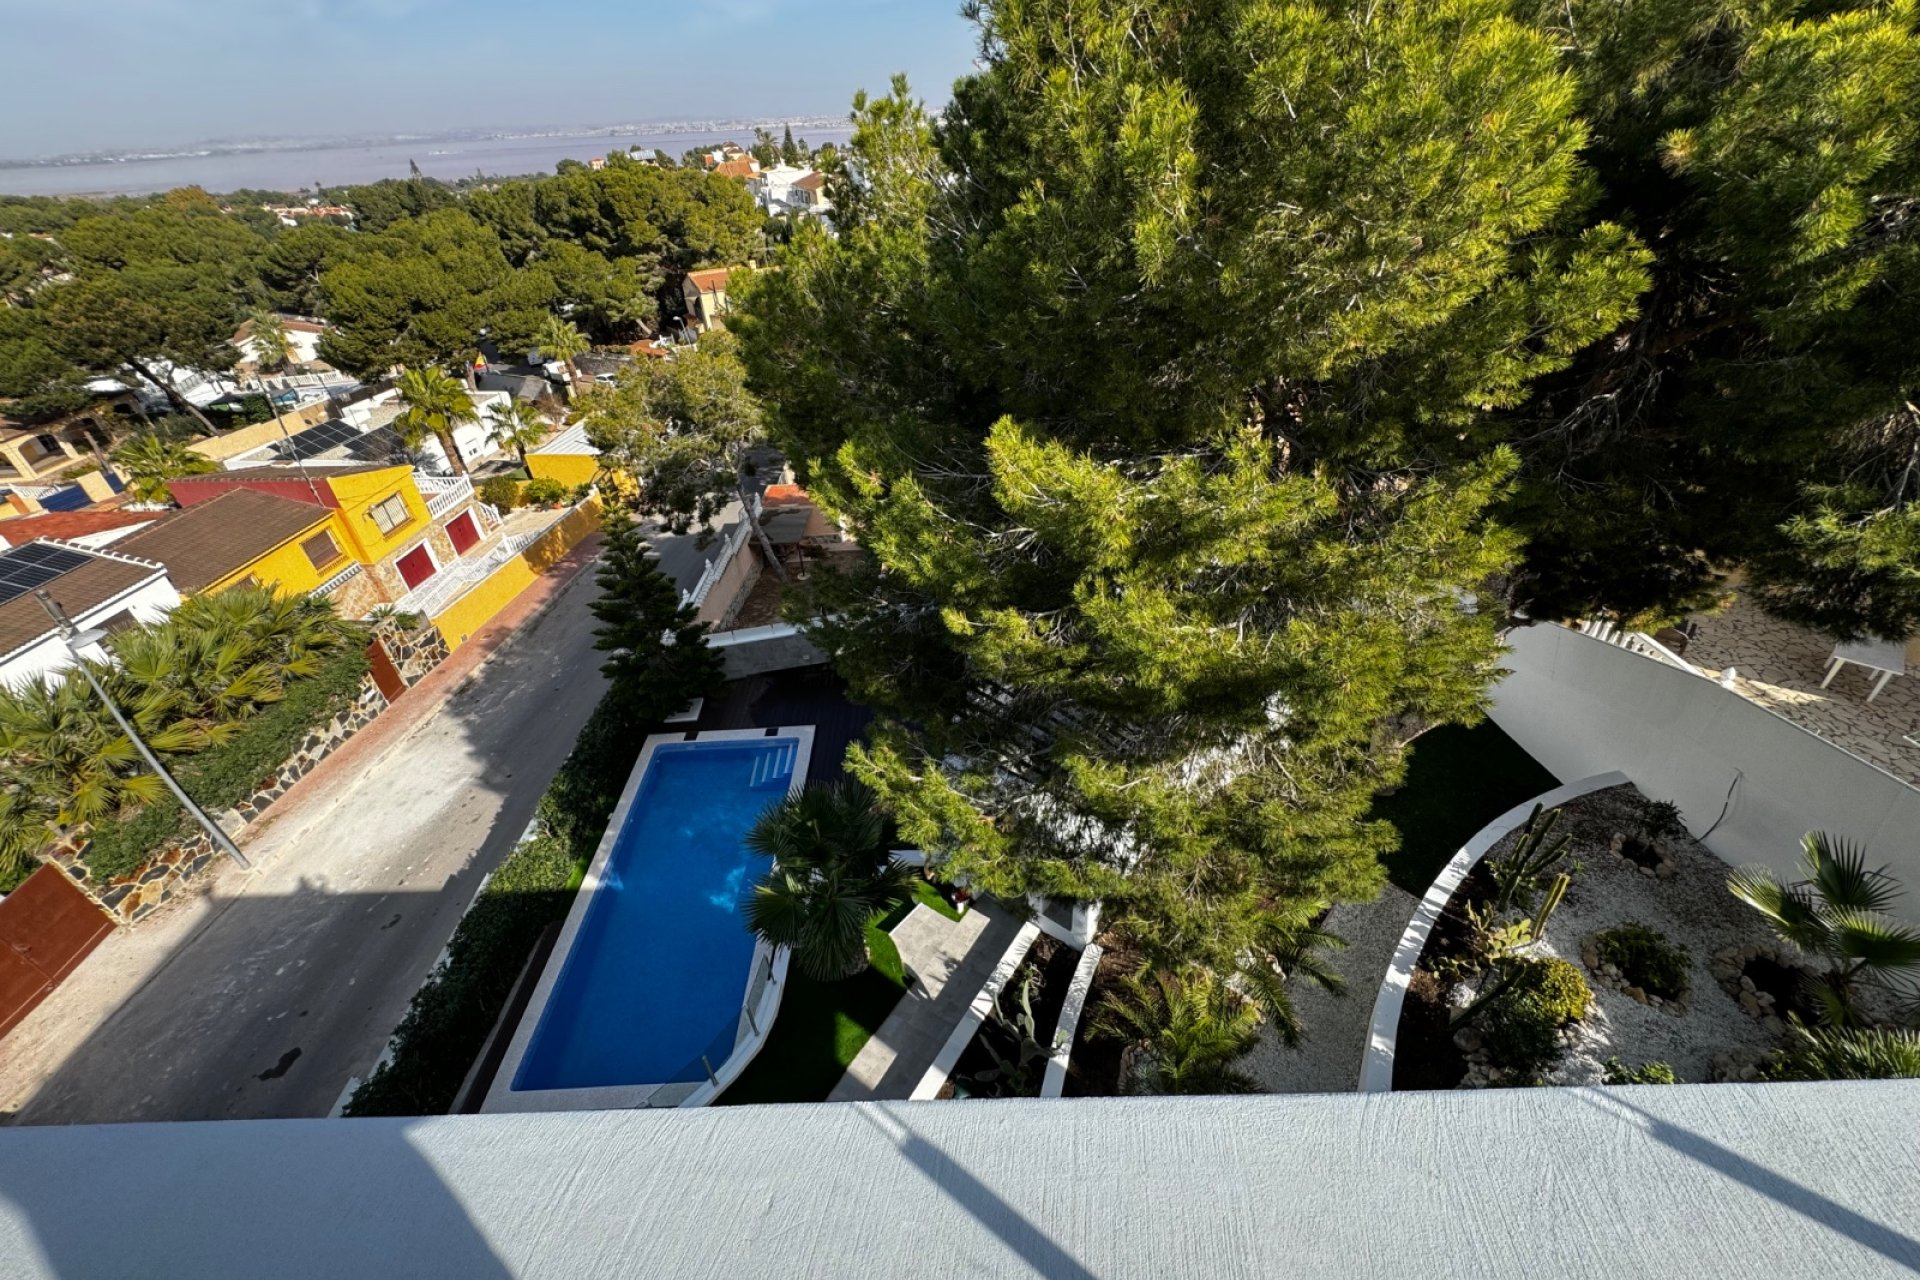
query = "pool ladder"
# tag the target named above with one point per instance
(774, 767)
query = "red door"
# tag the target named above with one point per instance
(461, 532)
(416, 567)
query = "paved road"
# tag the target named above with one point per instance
(266, 995)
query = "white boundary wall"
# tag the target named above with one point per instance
(957, 1040)
(1383, 1030)
(1581, 706)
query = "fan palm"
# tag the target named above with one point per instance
(1837, 913)
(516, 425)
(435, 403)
(832, 875)
(1850, 1053)
(1191, 1025)
(26, 828)
(559, 340)
(148, 461)
(58, 741)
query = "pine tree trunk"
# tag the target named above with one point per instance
(173, 395)
(760, 533)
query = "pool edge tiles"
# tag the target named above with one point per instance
(758, 1008)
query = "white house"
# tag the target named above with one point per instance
(770, 186)
(97, 589)
(302, 335)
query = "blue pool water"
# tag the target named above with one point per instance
(656, 975)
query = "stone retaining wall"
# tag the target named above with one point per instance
(131, 898)
(415, 652)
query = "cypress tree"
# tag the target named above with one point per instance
(1156, 376)
(658, 658)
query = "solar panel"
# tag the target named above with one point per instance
(35, 565)
(316, 440)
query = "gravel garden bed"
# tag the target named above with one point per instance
(1680, 972)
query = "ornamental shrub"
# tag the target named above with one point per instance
(545, 490)
(1619, 1072)
(1558, 984)
(1520, 1032)
(500, 492)
(1645, 959)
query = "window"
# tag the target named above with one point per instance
(390, 513)
(119, 622)
(322, 551)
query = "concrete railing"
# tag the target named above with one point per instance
(1637, 642)
(443, 493)
(1383, 1031)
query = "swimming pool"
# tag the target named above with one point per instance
(656, 993)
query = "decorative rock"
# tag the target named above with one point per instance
(1665, 871)
(1774, 1025)
(1746, 983)
(1637, 995)
(1467, 1039)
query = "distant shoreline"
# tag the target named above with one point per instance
(213, 147)
(449, 158)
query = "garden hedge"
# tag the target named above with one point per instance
(222, 776)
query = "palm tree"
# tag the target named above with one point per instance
(1837, 913)
(832, 875)
(271, 342)
(435, 404)
(1849, 1053)
(58, 742)
(559, 340)
(516, 425)
(1288, 947)
(1190, 1027)
(148, 461)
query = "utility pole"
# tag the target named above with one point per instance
(78, 640)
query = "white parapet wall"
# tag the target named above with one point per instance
(1383, 1029)
(1750, 783)
(1060, 1053)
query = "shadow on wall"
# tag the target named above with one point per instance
(387, 1211)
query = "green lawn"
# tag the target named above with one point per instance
(1458, 781)
(821, 1027)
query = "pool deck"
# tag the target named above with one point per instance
(951, 959)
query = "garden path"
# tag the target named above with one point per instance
(951, 959)
(1328, 1060)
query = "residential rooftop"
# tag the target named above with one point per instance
(208, 541)
(77, 578)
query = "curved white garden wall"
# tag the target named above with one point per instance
(1581, 706)
(1383, 1030)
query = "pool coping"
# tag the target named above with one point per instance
(756, 1014)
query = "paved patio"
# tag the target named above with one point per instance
(952, 959)
(1780, 666)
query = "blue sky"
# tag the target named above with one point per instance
(106, 74)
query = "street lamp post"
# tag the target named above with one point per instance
(78, 640)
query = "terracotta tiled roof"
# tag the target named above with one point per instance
(711, 278)
(812, 182)
(744, 167)
(71, 524)
(101, 578)
(206, 543)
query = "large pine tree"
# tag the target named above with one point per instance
(1759, 408)
(658, 657)
(1156, 376)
